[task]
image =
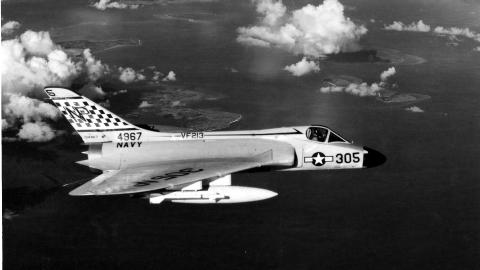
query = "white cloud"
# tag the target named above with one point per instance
(271, 10)
(310, 30)
(38, 43)
(145, 104)
(361, 89)
(28, 114)
(123, 91)
(61, 65)
(104, 4)
(4, 124)
(456, 31)
(92, 91)
(419, 26)
(36, 132)
(476, 49)
(332, 89)
(387, 73)
(129, 75)
(28, 109)
(303, 67)
(33, 61)
(95, 69)
(451, 32)
(415, 109)
(156, 75)
(170, 77)
(29, 63)
(10, 27)
(105, 104)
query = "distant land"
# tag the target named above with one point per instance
(172, 106)
(382, 55)
(399, 58)
(76, 47)
(359, 56)
(186, 18)
(390, 96)
(159, 2)
(385, 95)
(341, 80)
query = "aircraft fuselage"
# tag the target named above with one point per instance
(290, 149)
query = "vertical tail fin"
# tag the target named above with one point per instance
(93, 123)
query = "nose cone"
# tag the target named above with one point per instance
(250, 194)
(373, 158)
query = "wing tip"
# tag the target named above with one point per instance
(75, 192)
(83, 190)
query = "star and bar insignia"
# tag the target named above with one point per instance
(318, 159)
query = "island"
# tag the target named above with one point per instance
(179, 108)
(382, 55)
(399, 58)
(391, 96)
(76, 47)
(387, 93)
(341, 80)
(369, 56)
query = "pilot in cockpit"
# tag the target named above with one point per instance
(317, 134)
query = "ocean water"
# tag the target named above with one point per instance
(420, 210)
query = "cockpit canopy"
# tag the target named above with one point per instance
(323, 134)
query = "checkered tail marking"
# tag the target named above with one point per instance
(85, 115)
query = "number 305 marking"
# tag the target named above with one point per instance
(348, 158)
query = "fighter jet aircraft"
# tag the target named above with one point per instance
(196, 167)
